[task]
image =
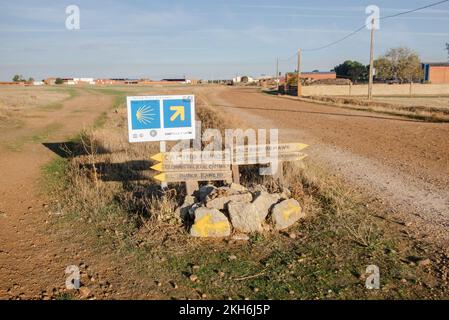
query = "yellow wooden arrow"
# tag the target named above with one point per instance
(162, 177)
(179, 112)
(157, 167)
(302, 146)
(158, 157)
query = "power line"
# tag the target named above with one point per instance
(414, 10)
(363, 27)
(339, 40)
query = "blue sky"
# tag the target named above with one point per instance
(204, 39)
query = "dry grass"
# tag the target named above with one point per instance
(19, 98)
(431, 102)
(17, 102)
(430, 113)
(107, 187)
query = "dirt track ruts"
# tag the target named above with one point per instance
(31, 261)
(400, 162)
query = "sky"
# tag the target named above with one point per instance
(213, 39)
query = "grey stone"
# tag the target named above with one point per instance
(258, 188)
(264, 201)
(244, 217)
(210, 223)
(249, 217)
(205, 191)
(237, 187)
(286, 213)
(184, 211)
(220, 203)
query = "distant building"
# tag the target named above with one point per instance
(12, 83)
(318, 75)
(436, 72)
(131, 81)
(50, 81)
(84, 80)
(243, 79)
(174, 80)
(38, 83)
(68, 81)
(105, 81)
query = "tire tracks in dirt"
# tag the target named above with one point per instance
(31, 261)
(401, 164)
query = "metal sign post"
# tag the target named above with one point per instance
(161, 118)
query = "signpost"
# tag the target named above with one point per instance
(169, 118)
(192, 166)
(194, 176)
(161, 118)
(247, 154)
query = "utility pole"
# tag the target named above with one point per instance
(299, 74)
(371, 63)
(277, 74)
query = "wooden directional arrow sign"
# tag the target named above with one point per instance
(164, 166)
(254, 159)
(194, 176)
(189, 156)
(268, 148)
(253, 152)
(190, 166)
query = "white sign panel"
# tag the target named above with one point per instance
(161, 118)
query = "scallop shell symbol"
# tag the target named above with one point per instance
(145, 114)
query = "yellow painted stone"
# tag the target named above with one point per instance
(205, 227)
(291, 210)
(286, 214)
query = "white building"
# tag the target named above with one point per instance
(243, 79)
(84, 80)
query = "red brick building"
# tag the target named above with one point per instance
(318, 75)
(436, 73)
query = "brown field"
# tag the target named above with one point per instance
(73, 191)
(430, 102)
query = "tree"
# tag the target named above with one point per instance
(384, 68)
(353, 70)
(17, 78)
(59, 81)
(31, 79)
(402, 64)
(447, 48)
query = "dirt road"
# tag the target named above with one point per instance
(30, 261)
(402, 164)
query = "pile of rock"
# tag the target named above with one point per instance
(217, 212)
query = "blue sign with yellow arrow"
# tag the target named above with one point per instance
(160, 118)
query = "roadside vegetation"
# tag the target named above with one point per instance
(108, 203)
(417, 112)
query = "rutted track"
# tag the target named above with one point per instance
(30, 260)
(401, 163)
